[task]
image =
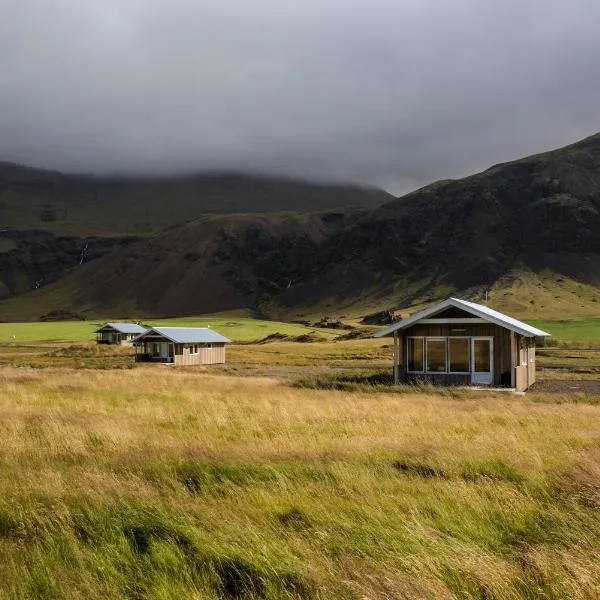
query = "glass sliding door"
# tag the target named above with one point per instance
(482, 360)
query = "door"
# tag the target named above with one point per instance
(482, 360)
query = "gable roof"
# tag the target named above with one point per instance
(484, 312)
(186, 335)
(123, 327)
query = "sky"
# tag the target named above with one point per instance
(394, 93)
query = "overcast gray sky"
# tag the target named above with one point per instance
(390, 92)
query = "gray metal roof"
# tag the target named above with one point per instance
(186, 335)
(484, 312)
(124, 327)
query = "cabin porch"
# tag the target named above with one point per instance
(155, 351)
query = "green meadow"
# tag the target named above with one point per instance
(158, 483)
(578, 330)
(239, 329)
(244, 329)
(293, 472)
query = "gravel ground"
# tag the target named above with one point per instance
(570, 386)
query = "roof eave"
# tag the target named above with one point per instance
(456, 302)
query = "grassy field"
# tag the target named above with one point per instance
(576, 330)
(162, 483)
(236, 328)
(242, 329)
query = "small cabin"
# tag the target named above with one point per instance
(457, 342)
(118, 333)
(181, 346)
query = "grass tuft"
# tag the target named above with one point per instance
(419, 469)
(294, 518)
(239, 579)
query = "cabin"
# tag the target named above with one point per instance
(181, 346)
(118, 333)
(456, 342)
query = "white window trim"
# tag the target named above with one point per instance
(192, 350)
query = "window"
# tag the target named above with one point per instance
(193, 348)
(459, 360)
(436, 355)
(415, 355)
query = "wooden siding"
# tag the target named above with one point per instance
(399, 360)
(453, 313)
(525, 365)
(205, 356)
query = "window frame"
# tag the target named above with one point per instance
(446, 339)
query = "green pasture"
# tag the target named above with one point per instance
(576, 330)
(237, 329)
(243, 329)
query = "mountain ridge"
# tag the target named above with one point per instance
(83, 205)
(512, 222)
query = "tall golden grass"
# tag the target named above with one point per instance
(159, 483)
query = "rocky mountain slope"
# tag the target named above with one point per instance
(534, 220)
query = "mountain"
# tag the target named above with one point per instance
(83, 205)
(527, 231)
(50, 222)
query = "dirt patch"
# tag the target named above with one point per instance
(570, 386)
(356, 334)
(305, 338)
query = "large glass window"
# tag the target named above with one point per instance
(414, 354)
(459, 355)
(436, 355)
(481, 356)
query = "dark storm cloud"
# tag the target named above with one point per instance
(392, 92)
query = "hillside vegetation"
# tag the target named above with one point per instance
(158, 483)
(84, 206)
(526, 232)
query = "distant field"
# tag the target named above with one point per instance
(237, 329)
(243, 329)
(574, 330)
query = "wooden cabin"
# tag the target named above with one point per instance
(457, 342)
(118, 333)
(181, 346)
